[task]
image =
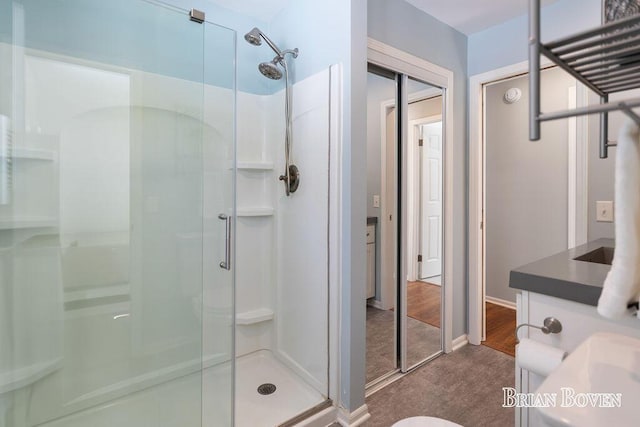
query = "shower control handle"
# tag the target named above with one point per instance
(226, 264)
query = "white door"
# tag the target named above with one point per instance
(431, 200)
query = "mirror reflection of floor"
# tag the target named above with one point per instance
(423, 324)
(423, 329)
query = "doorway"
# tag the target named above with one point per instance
(430, 215)
(519, 213)
(407, 317)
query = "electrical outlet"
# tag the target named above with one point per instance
(604, 211)
(376, 201)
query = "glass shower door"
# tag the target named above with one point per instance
(113, 307)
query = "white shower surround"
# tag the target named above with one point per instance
(296, 291)
(282, 261)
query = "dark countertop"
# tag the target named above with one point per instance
(561, 276)
(372, 220)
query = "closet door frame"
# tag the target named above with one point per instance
(410, 66)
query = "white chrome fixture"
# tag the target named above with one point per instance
(270, 70)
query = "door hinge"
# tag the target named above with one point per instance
(196, 16)
(420, 142)
(481, 225)
(419, 258)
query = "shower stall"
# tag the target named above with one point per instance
(152, 272)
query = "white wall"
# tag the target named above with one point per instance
(302, 242)
(255, 236)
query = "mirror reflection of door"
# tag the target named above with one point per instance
(431, 201)
(382, 338)
(424, 223)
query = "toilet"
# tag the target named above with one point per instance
(425, 422)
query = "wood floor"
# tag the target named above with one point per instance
(423, 304)
(501, 326)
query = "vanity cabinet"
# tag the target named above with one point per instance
(579, 321)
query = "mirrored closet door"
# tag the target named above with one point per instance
(405, 118)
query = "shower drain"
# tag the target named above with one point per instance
(266, 388)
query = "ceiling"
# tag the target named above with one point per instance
(471, 16)
(467, 16)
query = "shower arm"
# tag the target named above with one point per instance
(272, 45)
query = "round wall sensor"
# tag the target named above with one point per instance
(512, 95)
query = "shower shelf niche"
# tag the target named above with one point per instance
(20, 153)
(255, 212)
(255, 316)
(255, 166)
(28, 222)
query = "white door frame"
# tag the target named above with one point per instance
(413, 250)
(387, 255)
(389, 57)
(577, 203)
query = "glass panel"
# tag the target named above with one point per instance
(425, 221)
(101, 217)
(219, 201)
(381, 282)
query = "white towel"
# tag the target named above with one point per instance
(622, 284)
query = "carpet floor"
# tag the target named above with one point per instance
(464, 387)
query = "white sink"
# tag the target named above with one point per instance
(603, 363)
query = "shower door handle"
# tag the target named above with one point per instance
(226, 264)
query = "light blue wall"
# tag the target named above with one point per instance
(132, 34)
(248, 56)
(401, 25)
(317, 29)
(506, 43)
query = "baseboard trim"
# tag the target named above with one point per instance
(355, 418)
(501, 302)
(375, 304)
(460, 342)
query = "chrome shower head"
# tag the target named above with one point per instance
(253, 37)
(270, 69)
